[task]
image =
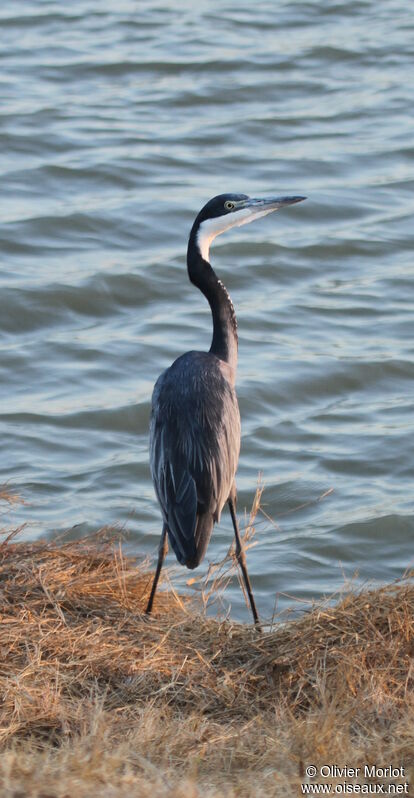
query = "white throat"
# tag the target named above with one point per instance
(211, 228)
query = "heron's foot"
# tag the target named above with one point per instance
(148, 615)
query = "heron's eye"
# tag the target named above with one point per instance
(229, 205)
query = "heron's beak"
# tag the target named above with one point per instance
(269, 204)
(253, 208)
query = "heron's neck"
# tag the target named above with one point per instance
(202, 275)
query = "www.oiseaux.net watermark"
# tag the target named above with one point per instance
(365, 780)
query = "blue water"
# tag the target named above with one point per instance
(117, 123)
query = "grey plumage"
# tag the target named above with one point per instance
(194, 449)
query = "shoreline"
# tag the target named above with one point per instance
(97, 698)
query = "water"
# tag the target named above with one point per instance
(117, 123)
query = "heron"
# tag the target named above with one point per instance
(195, 419)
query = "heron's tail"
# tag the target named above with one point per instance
(202, 535)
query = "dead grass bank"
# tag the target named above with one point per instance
(96, 700)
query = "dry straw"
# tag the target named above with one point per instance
(98, 700)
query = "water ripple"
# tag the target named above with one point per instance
(115, 127)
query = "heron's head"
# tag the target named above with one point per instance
(232, 210)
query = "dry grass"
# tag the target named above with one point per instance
(97, 700)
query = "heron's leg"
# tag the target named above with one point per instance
(162, 550)
(241, 559)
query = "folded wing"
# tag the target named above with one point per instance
(194, 449)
